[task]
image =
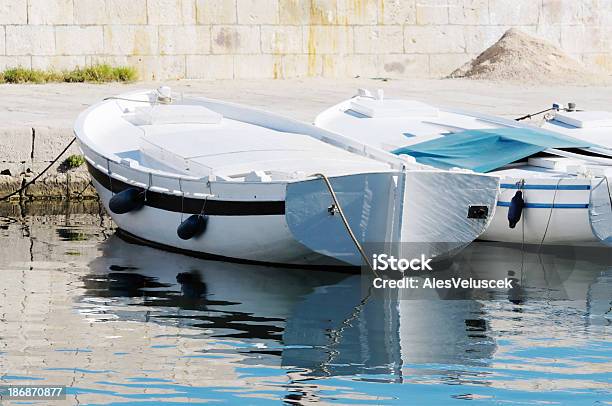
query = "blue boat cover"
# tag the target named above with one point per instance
(488, 149)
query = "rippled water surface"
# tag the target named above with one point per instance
(124, 324)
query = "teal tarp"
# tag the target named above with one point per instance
(487, 150)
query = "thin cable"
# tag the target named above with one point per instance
(345, 221)
(609, 191)
(526, 116)
(24, 187)
(552, 208)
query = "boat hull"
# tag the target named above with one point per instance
(557, 211)
(253, 238)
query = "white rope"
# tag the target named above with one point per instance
(345, 221)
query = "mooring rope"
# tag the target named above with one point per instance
(552, 208)
(346, 223)
(24, 187)
(526, 116)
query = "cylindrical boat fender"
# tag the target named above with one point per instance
(126, 201)
(192, 227)
(516, 209)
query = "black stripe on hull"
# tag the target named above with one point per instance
(131, 238)
(188, 205)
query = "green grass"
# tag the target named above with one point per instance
(74, 161)
(95, 74)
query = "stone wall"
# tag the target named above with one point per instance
(212, 39)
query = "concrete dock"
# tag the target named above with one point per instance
(36, 120)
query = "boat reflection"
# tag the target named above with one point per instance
(320, 323)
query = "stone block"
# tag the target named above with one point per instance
(30, 40)
(257, 11)
(328, 39)
(362, 12)
(281, 39)
(294, 66)
(2, 41)
(414, 65)
(379, 39)
(127, 12)
(478, 37)
(181, 40)
(312, 12)
(601, 61)
(216, 11)
(398, 12)
(113, 60)
(16, 144)
(441, 65)
(8, 185)
(209, 67)
(171, 12)
(335, 66)
(432, 12)
(49, 186)
(314, 66)
(130, 40)
(58, 63)
(580, 39)
(158, 67)
(48, 141)
(516, 12)
(50, 12)
(434, 39)
(7, 62)
(79, 186)
(13, 12)
(548, 32)
(90, 12)
(254, 66)
(577, 12)
(240, 39)
(475, 12)
(79, 40)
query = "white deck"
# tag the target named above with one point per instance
(390, 133)
(203, 146)
(233, 148)
(395, 132)
(601, 135)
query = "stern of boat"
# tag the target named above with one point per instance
(444, 211)
(368, 200)
(600, 210)
(434, 213)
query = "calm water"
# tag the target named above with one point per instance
(123, 324)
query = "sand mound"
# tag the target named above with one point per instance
(520, 57)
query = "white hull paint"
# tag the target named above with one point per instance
(263, 239)
(557, 211)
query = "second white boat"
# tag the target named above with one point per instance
(545, 197)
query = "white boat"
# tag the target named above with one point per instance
(221, 180)
(546, 195)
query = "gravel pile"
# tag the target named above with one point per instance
(521, 57)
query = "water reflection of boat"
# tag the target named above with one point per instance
(201, 293)
(316, 321)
